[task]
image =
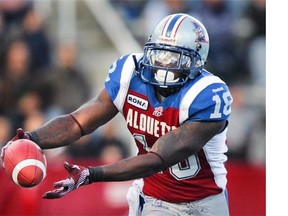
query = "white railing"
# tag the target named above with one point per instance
(113, 26)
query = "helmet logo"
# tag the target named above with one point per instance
(200, 35)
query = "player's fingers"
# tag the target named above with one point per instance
(2, 153)
(54, 194)
(59, 184)
(19, 134)
(67, 166)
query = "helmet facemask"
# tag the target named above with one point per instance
(169, 66)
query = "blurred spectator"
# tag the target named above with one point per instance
(256, 13)
(85, 148)
(239, 126)
(37, 39)
(13, 12)
(250, 116)
(15, 75)
(11, 16)
(246, 137)
(29, 107)
(5, 130)
(250, 37)
(111, 147)
(257, 61)
(103, 145)
(31, 103)
(69, 83)
(19, 19)
(31, 115)
(111, 151)
(17, 84)
(256, 151)
(219, 20)
(2, 39)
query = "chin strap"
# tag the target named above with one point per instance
(136, 65)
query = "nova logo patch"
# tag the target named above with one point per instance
(137, 102)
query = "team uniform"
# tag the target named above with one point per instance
(205, 98)
(157, 91)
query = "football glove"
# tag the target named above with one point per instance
(20, 134)
(77, 176)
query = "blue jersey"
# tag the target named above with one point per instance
(205, 98)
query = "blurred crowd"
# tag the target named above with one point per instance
(40, 78)
(35, 86)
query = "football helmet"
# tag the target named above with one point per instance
(176, 51)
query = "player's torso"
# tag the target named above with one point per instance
(147, 120)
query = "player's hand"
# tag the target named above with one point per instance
(20, 134)
(77, 176)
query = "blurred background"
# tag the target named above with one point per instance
(55, 55)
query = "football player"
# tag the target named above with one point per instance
(176, 110)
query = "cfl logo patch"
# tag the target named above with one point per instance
(158, 111)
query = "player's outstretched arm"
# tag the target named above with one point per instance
(65, 129)
(170, 149)
(68, 128)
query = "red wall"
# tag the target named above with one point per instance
(246, 185)
(247, 189)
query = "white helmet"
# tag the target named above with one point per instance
(176, 51)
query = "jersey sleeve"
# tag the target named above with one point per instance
(112, 82)
(119, 77)
(212, 104)
(208, 100)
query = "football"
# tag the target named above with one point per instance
(25, 163)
